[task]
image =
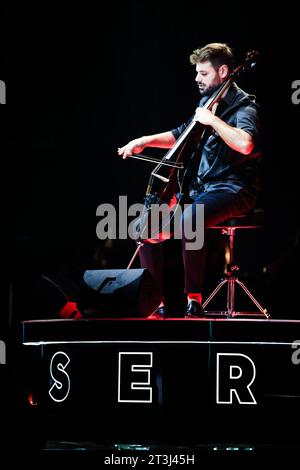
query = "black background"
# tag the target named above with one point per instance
(85, 79)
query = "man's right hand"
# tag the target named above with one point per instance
(134, 146)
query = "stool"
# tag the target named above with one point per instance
(251, 220)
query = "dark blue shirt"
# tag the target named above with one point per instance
(220, 166)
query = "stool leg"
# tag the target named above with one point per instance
(230, 296)
(214, 292)
(258, 305)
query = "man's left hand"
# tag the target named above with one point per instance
(204, 116)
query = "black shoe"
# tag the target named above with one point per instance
(160, 312)
(194, 310)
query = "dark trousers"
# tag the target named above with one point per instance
(219, 205)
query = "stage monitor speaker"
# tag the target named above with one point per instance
(42, 297)
(118, 293)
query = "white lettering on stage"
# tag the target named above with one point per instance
(235, 375)
(134, 377)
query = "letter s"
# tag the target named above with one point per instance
(61, 381)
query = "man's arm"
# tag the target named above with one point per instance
(164, 140)
(236, 138)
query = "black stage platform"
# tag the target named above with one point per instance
(172, 383)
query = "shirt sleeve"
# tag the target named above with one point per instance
(248, 120)
(179, 130)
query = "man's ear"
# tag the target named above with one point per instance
(223, 71)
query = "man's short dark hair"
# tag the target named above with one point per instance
(216, 52)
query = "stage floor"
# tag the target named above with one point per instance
(171, 382)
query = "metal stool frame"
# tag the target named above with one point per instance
(231, 280)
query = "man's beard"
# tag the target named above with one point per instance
(209, 91)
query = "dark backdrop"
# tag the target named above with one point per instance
(83, 80)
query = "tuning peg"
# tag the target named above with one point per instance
(252, 56)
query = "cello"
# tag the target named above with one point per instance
(165, 191)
